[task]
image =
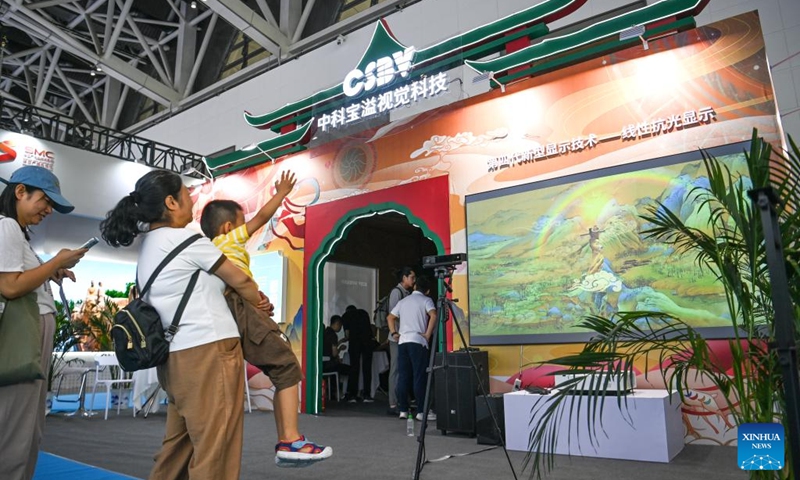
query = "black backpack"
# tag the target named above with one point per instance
(382, 309)
(139, 338)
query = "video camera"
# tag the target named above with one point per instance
(452, 260)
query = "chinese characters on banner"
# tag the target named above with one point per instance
(541, 152)
(666, 125)
(632, 131)
(425, 87)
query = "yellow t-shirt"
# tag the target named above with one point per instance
(232, 245)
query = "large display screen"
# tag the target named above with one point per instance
(544, 255)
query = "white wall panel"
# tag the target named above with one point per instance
(790, 13)
(785, 88)
(70, 231)
(777, 49)
(92, 182)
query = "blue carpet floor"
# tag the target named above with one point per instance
(52, 467)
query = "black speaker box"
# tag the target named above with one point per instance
(456, 386)
(484, 425)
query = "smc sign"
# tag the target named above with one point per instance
(35, 155)
(378, 73)
(32, 152)
(38, 157)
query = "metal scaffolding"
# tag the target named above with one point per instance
(57, 127)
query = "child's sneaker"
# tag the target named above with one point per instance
(300, 453)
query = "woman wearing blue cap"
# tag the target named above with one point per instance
(31, 194)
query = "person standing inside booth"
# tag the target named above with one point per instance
(417, 315)
(407, 278)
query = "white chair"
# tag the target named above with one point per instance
(107, 365)
(80, 400)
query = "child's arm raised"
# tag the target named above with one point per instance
(283, 186)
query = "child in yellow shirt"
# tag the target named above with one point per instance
(263, 343)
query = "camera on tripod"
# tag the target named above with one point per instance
(452, 260)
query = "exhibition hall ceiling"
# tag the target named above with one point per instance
(115, 63)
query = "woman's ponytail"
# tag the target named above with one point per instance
(144, 205)
(121, 225)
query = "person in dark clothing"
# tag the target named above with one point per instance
(358, 330)
(330, 348)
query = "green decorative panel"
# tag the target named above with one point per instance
(648, 15)
(275, 147)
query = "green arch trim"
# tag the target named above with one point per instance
(313, 332)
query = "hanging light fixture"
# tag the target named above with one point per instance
(193, 4)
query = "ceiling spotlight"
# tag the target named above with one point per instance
(98, 68)
(193, 4)
(92, 73)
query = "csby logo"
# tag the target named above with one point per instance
(760, 446)
(378, 73)
(7, 152)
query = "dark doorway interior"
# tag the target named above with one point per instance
(386, 242)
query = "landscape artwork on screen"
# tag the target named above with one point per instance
(544, 255)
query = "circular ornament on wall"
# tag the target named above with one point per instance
(354, 164)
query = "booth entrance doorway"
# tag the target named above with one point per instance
(384, 229)
(386, 242)
(380, 244)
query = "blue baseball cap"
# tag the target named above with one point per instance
(45, 180)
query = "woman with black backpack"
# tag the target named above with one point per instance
(203, 373)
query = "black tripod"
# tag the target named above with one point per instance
(784, 344)
(444, 307)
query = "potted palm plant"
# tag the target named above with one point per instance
(731, 245)
(98, 325)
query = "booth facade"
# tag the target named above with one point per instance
(697, 88)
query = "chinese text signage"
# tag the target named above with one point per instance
(632, 131)
(425, 87)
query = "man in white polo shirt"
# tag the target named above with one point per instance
(418, 319)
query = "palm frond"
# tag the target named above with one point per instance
(731, 246)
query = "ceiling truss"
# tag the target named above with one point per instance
(97, 60)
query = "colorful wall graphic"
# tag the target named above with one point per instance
(545, 254)
(697, 89)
